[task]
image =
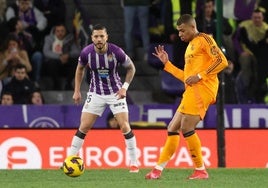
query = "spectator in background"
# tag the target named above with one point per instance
(7, 99)
(20, 85)
(82, 25)
(3, 6)
(61, 53)
(12, 56)
(136, 9)
(3, 24)
(156, 24)
(37, 98)
(206, 22)
(53, 10)
(170, 12)
(33, 19)
(27, 43)
(251, 42)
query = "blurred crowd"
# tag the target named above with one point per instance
(35, 42)
(243, 36)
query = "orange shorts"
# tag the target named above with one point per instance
(195, 101)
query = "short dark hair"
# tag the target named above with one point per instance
(99, 27)
(25, 0)
(12, 37)
(6, 93)
(185, 18)
(36, 90)
(20, 66)
(12, 24)
(207, 1)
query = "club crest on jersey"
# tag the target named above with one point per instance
(214, 50)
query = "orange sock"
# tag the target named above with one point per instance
(170, 147)
(194, 146)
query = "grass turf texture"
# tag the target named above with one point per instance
(121, 178)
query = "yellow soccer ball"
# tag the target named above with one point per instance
(73, 166)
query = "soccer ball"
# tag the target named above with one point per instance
(73, 166)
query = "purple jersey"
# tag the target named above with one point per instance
(104, 78)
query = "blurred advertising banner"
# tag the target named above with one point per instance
(51, 116)
(47, 149)
(143, 116)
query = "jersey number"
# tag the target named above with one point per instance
(89, 98)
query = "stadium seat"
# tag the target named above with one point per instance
(171, 85)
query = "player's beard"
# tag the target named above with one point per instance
(100, 46)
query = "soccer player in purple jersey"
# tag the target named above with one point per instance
(102, 59)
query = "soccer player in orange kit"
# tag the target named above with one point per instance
(203, 61)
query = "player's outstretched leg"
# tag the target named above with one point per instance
(170, 147)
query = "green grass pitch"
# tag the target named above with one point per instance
(121, 178)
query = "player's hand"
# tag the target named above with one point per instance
(161, 54)
(121, 93)
(77, 97)
(192, 80)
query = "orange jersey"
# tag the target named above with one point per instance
(202, 57)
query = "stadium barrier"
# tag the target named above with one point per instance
(47, 149)
(144, 116)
